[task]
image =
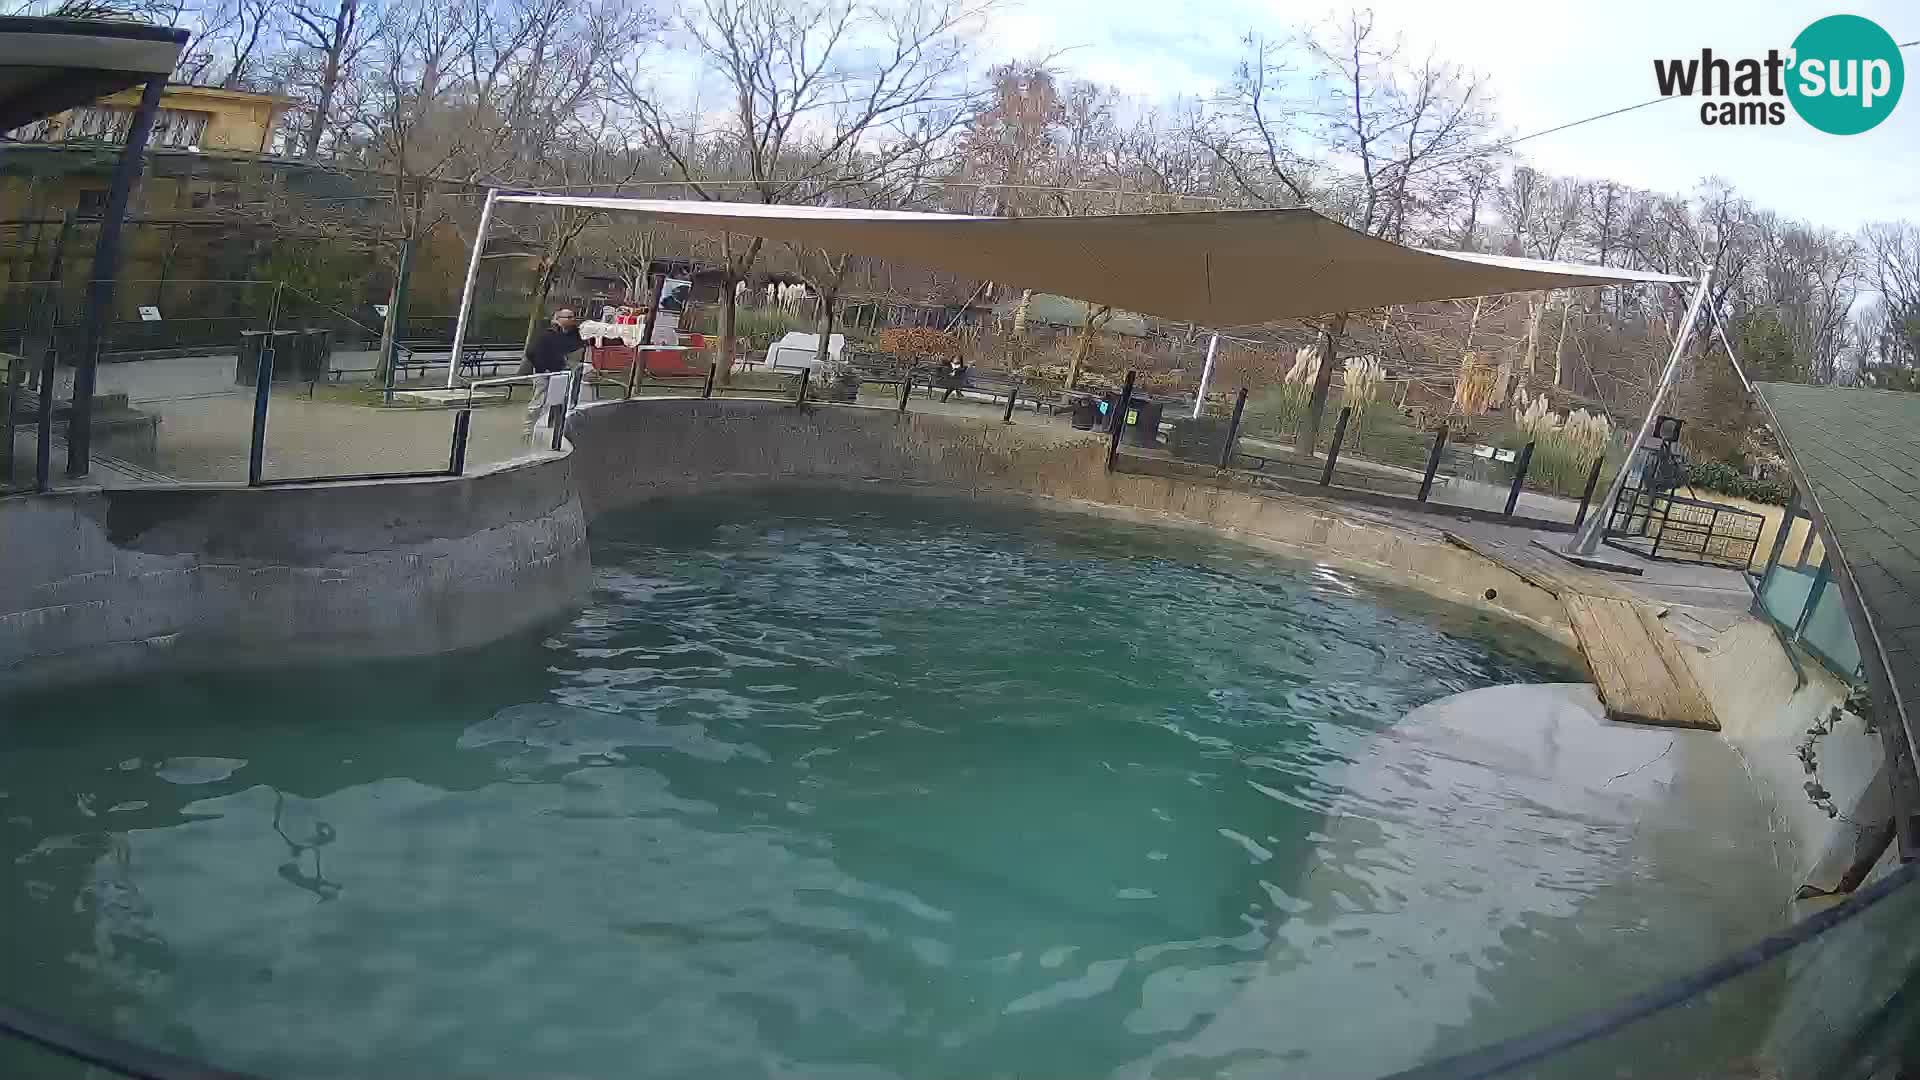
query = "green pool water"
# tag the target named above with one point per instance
(828, 785)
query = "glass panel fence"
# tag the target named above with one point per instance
(1829, 634)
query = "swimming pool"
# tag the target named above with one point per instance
(827, 784)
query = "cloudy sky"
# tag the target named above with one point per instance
(1549, 62)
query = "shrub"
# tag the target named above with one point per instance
(1721, 477)
(912, 343)
(1564, 449)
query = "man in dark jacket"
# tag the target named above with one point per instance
(556, 340)
(549, 356)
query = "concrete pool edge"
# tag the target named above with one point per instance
(104, 583)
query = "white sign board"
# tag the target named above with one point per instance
(149, 313)
(381, 310)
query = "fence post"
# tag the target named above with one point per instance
(800, 395)
(1586, 496)
(557, 418)
(1519, 477)
(262, 390)
(646, 336)
(1786, 529)
(457, 461)
(1233, 429)
(1119, 420)
(1013, 395)
(1333, 451)
(707, 390)
(906, 388)
(43, 443)
(1666, 513)
(16, 380)
(1433, 462)
(1814, 592)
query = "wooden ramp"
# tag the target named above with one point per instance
(1642, 676)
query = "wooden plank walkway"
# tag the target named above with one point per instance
(1642, 676)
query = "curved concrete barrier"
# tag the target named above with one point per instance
(97, 583)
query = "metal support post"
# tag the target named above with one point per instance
(103, 277)
(707, 390)
(1333, 452)
(466, 290)
(262, 391)
(1587, 540)
(1586, 495)
(1013, 395)
(1233, 429)
(906, 388)
(1206, 377)
(800, 395)
(16, 382)
(646, 333)
(1784, 531)
(1120, 420)
(1433, 462)
(396, 317)
(1519, 477)
(457, 460)
(43, 440)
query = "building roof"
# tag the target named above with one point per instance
(1856, 456)
(51, 65)
(1216, 268)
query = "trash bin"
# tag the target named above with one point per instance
(316, 356)
(1143, 422)
(247, 364)
(1197, 438)
(1086, 413)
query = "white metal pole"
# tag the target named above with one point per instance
(466, 292)
(1587, 540)
(1206, 376)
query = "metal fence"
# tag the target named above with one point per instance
(1361, 454)
(1662, 525)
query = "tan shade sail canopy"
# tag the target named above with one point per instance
(1216, 268)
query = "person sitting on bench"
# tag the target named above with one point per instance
(953, 376)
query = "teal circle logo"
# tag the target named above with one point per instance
(1846, 74)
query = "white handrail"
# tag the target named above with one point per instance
(503, 380)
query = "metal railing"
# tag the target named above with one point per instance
(1221, 441)
(1662, 525)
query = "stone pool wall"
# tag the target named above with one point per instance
(97, 583)
(629, 452)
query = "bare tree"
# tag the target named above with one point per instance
(232, 46)
(334, 32)
(1890, 260)
(825, 96)
(1397, 141)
